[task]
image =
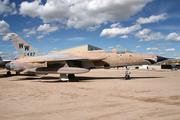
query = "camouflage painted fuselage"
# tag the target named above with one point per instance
(80, 62)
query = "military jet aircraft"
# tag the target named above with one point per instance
(68, 64)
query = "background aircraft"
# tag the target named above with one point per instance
(23, 49)
(3, 62)
(74, 63)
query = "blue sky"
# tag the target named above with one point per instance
(144, 26)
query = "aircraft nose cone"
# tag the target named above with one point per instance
(159, 58)
(8, 66)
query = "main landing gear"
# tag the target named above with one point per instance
(9, 73)
(17, 73)
(127, 74)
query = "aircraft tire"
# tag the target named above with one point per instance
(17, 73)
(127, 77)
(71, 76)
(64, 81)
(8, 73)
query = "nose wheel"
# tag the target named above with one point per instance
(127, 74)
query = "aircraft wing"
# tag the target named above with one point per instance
(81, 59)
(70, 59)
(64, 69)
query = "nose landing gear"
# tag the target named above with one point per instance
(127, 74)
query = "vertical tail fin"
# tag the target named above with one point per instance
(22, 47)
(0, 59)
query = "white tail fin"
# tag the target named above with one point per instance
(22, 47)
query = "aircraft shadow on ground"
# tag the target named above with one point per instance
(78, 79)
(6, 76)
(12, 75)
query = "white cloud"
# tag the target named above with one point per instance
(15, 52)
(148, 35)
(174, 37)
(152, 19)
(46, 28)
(14, 12)
(113, 32)
(118, 46)
(169, 50)
(77, 39)
(55, 48)
(40, 36)
(53, 51)
(6, 56)
(124, 36)
(149, 49)
(31, 9)
(111, 47)
(27, 36)
(93, 28)
(25, 30)
(31, 32)
(82, 14)
(168, 44)
(141, 40)
(176, 56)
(159, 44)
(134, 50)
(4, 28)
(115, 25)
(53, 41)
(138, 47)
(143, 33)
(5, 38)
(6, 8)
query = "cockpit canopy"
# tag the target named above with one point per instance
(119, 51)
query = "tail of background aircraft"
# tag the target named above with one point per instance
(22, 47)
(0, 59)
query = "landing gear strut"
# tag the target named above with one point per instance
(64, 78)
(127, 74)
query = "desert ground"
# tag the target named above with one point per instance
(98, 95)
